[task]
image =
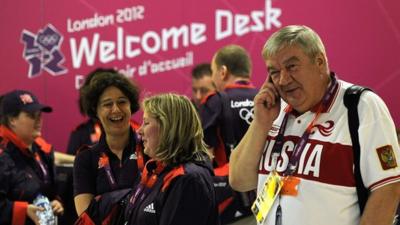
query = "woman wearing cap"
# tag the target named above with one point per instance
(26, 160)
(176, 187)
(114, 162)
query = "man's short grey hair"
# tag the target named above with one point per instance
(294, 35)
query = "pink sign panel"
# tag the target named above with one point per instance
(48, 47)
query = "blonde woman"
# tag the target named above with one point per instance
(176, 185)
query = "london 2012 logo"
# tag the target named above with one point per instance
(42, 51)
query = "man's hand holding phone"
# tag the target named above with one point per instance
(267, 103)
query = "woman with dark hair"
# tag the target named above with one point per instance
(26, 161)
(176, 186)
(89, 131)
(114, 162)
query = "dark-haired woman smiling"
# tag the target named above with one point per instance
(114, 162)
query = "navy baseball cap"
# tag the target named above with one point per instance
(20, 100)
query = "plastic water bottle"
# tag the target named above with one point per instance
(46, 217)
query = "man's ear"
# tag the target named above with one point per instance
(320, 61)
(11, 121)
(224, 72)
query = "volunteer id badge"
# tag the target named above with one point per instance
(266, 196)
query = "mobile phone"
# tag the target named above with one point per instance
(277, 97)
(270, 80)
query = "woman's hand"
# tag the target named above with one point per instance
(57, 207)
(31, 212)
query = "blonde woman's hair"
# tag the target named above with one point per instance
(181, 133)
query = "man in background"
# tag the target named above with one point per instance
(226, 115)
(202, 84)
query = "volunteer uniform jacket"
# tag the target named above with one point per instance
(87, 133)
(90, 168)
(22, 177)
(180, 196)
(326, 193)
(240, 97)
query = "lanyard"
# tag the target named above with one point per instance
(139, 155)
(294, 159)
(8, 135)
(43, 168)
(104, 162)
(149, 178)
(95, 136)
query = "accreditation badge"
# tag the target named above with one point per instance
(266, 196)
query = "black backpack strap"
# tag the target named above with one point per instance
(227, 126)
(351, 99)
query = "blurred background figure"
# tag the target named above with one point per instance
(26, 160)
(226, 115)
(115, 161)
(202, 84)
(176, 186)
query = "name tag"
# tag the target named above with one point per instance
(266, 196)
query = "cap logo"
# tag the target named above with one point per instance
(26, 99)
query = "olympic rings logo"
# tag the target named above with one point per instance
(246, 115)
(48, 39)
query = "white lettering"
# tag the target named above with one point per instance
(283, 163)
(258, 24)
(219, 33)
(128, 44)
(107, 50)
(128, 71)
(241, 24)
(79, 79)
(313, 162)
(241, 104)
(302, 158)
(197, 31)
(266, 162)
(131, 46)
(145, 42)
(272, 15)
(120, 41)
(167, 65)
(129, 14)
(90, 23)
(175, 33)
(84, 49)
